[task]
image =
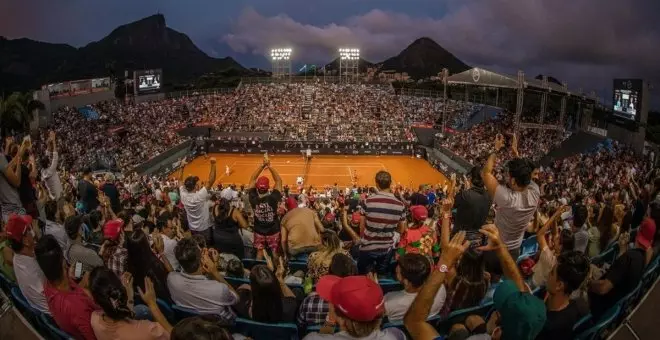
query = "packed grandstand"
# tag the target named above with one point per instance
(514, 248)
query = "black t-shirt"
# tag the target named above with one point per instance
(266, 221)
(110, 190)
(625, 274)
(26, 189)
(419, 199)
(88, 194)
(559, 324)
(472, 207)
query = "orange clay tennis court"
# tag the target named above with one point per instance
(323, 170)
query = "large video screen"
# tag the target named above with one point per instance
(627, 98)
(148, 81)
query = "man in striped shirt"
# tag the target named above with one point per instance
(384, 215)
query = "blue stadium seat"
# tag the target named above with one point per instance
(595, 331)
(390, 286)
(266, 331)
(297, 265)
(529, 246)
(24, 306)
(6, 284)
(236, 281)
(52, 329)
(181, 313)
(607, 256)
(249, 263)
(166, 309)
(459, 316)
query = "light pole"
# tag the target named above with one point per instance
(349, 59)
(281, 62)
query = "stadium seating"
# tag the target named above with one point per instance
(265, 331)
(52, 329)
(597, 330)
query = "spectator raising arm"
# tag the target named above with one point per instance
(276, 177)
(415, 319)
(487, 172)
(212, 176)
(255, 174)
(508, 264)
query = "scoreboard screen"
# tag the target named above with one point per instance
(148, 81)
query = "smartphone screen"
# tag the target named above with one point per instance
(78, 270)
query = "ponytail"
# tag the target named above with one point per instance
(110, 294)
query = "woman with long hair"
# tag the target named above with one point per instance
(116, 319)
(228, 220)
(142, 263)
(605, 232)
(267, 298)
(470, 284)
(319, 261)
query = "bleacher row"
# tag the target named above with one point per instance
(586, 329)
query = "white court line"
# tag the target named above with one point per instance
(320, 175)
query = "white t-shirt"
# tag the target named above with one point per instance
(398, 303)
(31, 280)
(543, 268)
(168, 249)
(514, 211)
(197, 208)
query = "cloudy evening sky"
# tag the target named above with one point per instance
(583, 42)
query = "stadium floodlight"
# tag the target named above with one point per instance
(349, 59)
(281, 61)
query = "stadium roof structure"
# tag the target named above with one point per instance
(480, 77)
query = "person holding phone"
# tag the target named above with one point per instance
(69, 305)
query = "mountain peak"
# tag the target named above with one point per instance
(423, 58)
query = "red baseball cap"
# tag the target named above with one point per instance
(112, 229)
(263, 183)
(419, 212)
(17, 225)
(291, 203)
(646, 233)
(357, 297)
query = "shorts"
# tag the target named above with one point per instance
(273, 241)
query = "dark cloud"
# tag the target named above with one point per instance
(582, 41)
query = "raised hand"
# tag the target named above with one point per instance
(149, 293)
(127, 282)
(493, 234)
(452, 251)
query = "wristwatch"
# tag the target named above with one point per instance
(443, 268)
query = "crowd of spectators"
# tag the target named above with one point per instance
(109, 258)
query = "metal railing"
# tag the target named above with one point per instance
(200, 92)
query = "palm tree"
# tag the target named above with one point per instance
(17, 111)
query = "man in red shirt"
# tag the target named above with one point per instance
(69, 305)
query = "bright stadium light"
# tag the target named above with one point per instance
(281, 61)
(349, 59)
(280, 53)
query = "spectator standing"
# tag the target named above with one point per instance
(384, 215)
(110, 190)
(419, 197)
(517, 202)
(472, 206)
(69, 305)
(49, 175)
(228, 222)
(301, 230)
(264, 206)
(10, 179)
(197, 204)
(88, 191)
(29, 277)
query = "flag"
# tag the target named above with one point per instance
(304, 68)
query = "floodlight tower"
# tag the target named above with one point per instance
(281, 62)
(349, 59)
